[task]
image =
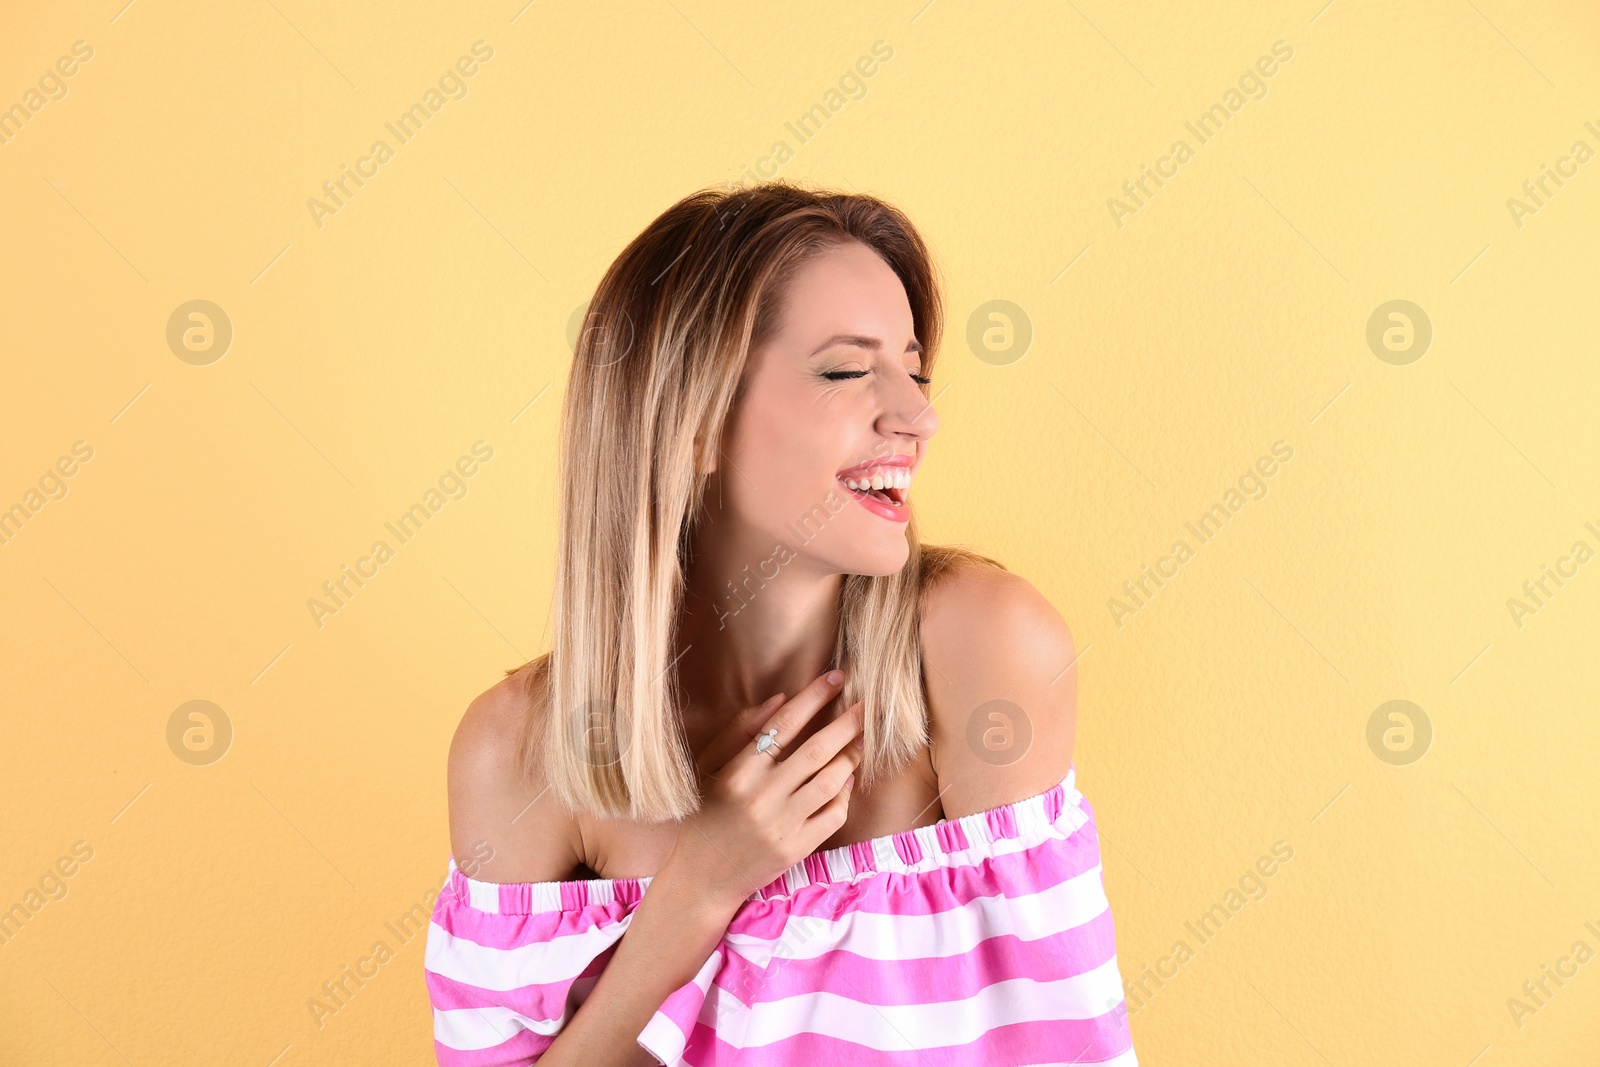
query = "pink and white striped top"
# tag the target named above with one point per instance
(980, 940)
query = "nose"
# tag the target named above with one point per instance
(908, 413)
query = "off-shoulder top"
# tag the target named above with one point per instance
(985, 939)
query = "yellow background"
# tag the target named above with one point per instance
(1228, 313)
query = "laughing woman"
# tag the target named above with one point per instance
(790, 786)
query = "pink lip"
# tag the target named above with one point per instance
(887, 461)
(879, 508)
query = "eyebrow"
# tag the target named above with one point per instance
(859, 341)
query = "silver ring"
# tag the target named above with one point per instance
(768, 742)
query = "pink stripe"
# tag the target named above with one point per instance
(517, 1051)
(514, 899)
(923, 981)
(1054, 801)
(908, 847)
(951, 837)
(1002, 823)
(1071, 1040)
(515, 931)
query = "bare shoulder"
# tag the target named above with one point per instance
(1002, 690)
(503, 826)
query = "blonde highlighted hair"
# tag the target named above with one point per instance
(655, 374)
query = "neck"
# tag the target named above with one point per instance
(756, 620)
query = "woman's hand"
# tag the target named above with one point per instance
(761, 815)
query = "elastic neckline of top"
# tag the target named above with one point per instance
(945, 843)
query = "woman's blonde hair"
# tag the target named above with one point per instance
(656, 371)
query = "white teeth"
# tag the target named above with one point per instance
(882, 478)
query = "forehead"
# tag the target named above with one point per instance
(847, 289)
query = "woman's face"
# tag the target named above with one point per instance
(830, 400)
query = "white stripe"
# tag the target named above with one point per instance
(485, 895)
(556, 960)
(545, 896)
(840, 868)
(887, 859)
(888, 936)
(471, 1029)
(902, 1027)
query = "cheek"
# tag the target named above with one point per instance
(781, 484)
(768, 479)
(784, 447)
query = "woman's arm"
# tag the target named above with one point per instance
(767, 814)
(1002, 701)
(505, 828)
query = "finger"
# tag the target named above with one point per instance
(792, 716)
(822, 746)
(824, 786)
(831, 815)
(740, 731)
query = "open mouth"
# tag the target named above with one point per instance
(895, 497)
(884, 484)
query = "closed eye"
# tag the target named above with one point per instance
(841, 375)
